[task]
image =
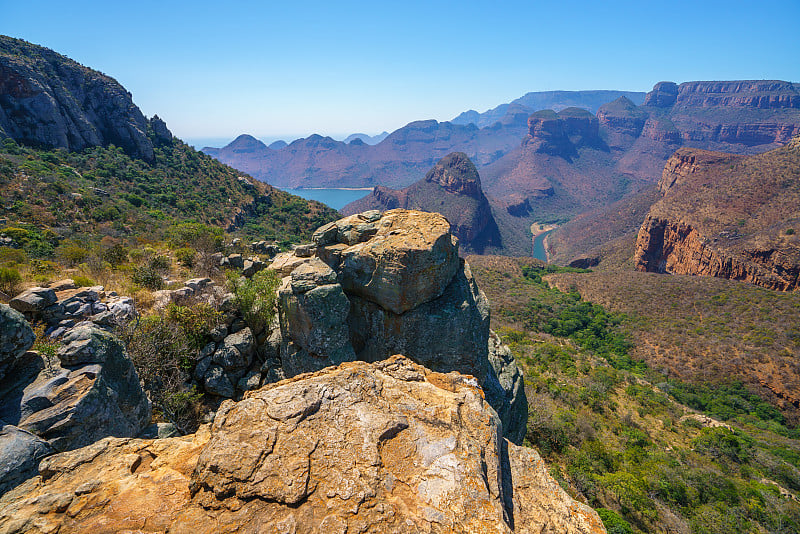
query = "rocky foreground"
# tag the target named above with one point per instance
(381, 447)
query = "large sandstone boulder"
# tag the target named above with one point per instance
(16, 336)
(398, 260)
(384, 447)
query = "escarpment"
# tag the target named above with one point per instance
(727, 216)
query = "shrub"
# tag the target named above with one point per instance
(613, 522)
(164, 347)
(83, 281)
(116, 255)
(186, 256)
(10, 280)
(255, 297)
(147, 277)
(73, 254)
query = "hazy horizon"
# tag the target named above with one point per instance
(285, 71)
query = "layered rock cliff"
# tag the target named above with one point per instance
(382, 447)
(453, 188)
(727, 216)
(49, 100)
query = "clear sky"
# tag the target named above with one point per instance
(289, 69)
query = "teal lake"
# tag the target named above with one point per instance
(335, 198)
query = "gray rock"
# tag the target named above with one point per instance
(219, 333)
(325, 235)
(252, 266)
(123, 308)
(16, 337)
(34, 300)
(74, 405)
(304, 251)
(235, 351)
(236, 261)
(449, 333)
(311, 274)
(236, 325)
(201, 369)
(20, 452)
(197, 284)
(505, 390)
(217, 383)
(249, 382)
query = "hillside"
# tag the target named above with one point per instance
(727, 216)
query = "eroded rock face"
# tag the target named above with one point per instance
(384, 447)
(382, 284)
(70, 107)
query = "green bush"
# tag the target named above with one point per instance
(255, 297)
(613, 522)
(186, 256)
(164, 348)
(73, 254)
(83, 281)
(147, 277)
(116, 255)
(10, 280)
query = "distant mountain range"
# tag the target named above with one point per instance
(555, 100)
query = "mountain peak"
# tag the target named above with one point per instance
(456, 174)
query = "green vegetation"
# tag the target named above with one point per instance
(164, 347)
(53, 196)
(255, 297)
(615, 431)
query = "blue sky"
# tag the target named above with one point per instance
(289, 69)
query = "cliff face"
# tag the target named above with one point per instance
(727, 216)
(453, 188)
(49, 100)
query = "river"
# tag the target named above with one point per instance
(538, 246)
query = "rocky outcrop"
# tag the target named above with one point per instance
(88, 390)
(17, 337)
(383, 447)
(49, 100)
(63, 305)
(688, 161)
(381, 284)
(622, 116)
(667, 246)
(663, 95)
(453, 188)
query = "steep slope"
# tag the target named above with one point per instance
(51, 101)
(60, 173)
(453, 188)
(728, 217)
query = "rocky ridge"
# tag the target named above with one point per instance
(382, 447)
(49, 100)
(453, 188)
(372, 285)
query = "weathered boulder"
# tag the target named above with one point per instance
(398, 260)
(34, 300)
(91, 393)
(20, 453)
(504, 387)
(16, 336)
(384, 447)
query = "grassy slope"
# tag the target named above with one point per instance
(61, 192)
(616, 440)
